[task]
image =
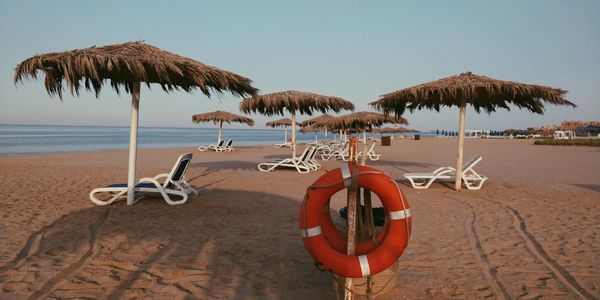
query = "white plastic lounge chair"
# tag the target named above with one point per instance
(212, 147)
(300, 163)
(335, 152)
(370, 154)
(472, 179)
(284, 145)
(227, 148)
(174, 185)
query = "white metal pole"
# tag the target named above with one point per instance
(461, 141)
(133, 132)
(220, 132)
(294, 134)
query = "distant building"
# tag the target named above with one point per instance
(564, 135)
(588, 130)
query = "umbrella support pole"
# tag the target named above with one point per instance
(294, 134)
(352, 195)
(133, 133)
(220, 132)
(461, 142)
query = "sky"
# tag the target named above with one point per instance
(357, 50)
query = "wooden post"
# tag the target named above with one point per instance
(351, 222)
(133, 133)
(294, 134)
(220, 131)
(461, 142)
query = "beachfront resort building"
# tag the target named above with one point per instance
(564, 135)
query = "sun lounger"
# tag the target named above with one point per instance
(301, 163)
(370, 154)
(335, 152)
(174, 185)
(284, 145)
(472, 179)
(227, 148)
(211, 147)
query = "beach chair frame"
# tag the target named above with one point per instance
(173, 185)
(471, 179)
(302, 163)
(212, 147)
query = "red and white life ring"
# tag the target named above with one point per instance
(327, 245)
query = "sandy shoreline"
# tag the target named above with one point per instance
(533, 230)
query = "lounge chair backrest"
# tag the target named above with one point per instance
(220, 143)
(306, 153)
(372, 148)
(313, 152)
(229, 143)
(180, 167)
(471, 163)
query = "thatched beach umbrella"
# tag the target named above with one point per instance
(395, 130)
(318, 120)
(218, 117)
(126, 66)
(294, 102)
(285, 123)
(361, 121)
(482, 93)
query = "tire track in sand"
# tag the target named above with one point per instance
(95, 230)
(539, 251)
(489, 272)
(30, 246)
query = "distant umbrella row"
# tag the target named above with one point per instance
(126, 66)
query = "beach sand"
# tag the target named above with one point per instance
(532, 231)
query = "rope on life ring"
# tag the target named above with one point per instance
(327, 245)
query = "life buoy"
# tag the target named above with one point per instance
(327, 245)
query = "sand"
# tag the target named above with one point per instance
(532, 231)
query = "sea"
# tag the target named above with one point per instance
(43, 139)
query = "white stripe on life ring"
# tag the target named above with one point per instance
(346, 175)
(364, 265)
(400, 214)
(310, 232)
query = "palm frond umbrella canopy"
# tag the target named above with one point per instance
(285, 123)
(361, 121)
(126, 66)
(318, 120)
(294, 102)
(395, 130)
(219, 117)
(481, 92)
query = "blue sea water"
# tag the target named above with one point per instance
(40, 139)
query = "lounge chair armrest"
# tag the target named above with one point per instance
(443, 168)
(161, 176)
(151, 180)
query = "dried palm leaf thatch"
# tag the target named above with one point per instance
(317, 120)
(221, 116)
(285, 122)
(294, 101)
(123, 64)
(309, 129)
(394, 130)
(363, 120)
(483, 93)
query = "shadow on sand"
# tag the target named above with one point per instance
(221, 244)
(593, 187)
(225, 165)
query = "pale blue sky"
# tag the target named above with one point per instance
(353, 49)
